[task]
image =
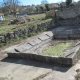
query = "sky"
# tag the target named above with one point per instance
(29, 2)
(35, 2)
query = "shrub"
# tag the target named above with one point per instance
(51, 13)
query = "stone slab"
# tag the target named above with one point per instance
(38, 41)
(23, 47)
(19, 48)
(50, 34)
(68, 31)
(78, 43)
(43, 37)
(27, 46)
(72, 52)
(33, 43)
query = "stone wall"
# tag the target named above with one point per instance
(67, 37)
(69, 59)
(68, 22)
(69, 12)
(26, 32)
(27, 51)
(74, 53)
(67, 34)
(68, 15)
(42, 58)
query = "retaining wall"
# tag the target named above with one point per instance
(26, 32)
(72, 37)
(41, 58)
(68, 60)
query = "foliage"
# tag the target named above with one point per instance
(51, 14)
(78, 75)
(11, 6)
(47, 7)
(37, 16)
(11, 28)
(12, 78)
(37, 9)
(56, 50)
(72, 4)
(24, 37)
(68, 2)
(42, 9)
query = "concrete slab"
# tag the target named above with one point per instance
(18, 69)
(77, 43)
(43, 37)
(50, 34)
(19, 48)
(33, 43)
(23, 47)
(28, 46)
(10, 49)
(38, 41)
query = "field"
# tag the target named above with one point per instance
(37, 16)
(36, 19)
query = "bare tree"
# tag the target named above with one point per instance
(11, 6)
(68, 2)
(47, 7)
(42, 9)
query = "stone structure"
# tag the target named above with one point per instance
(26, 51)
(69, 15)
(26, 32)
(69, 12)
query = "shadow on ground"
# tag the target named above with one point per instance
(36, 64)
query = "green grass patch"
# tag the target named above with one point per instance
(78, 75)
(2, 28)
(56, 50)
(37, 16)
(11, 28)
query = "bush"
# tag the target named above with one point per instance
(51, 13)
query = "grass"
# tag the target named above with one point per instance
(19, 39)
(2, 28)
(78, 75)
(38, 16)
(56, 50)
(11, 28)
(5, 28)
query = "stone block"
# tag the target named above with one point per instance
(25, 56)
(23, 47)
(78, 43)
(50, 34)
(13, 55)
(32, 43)
(41, 58)
(38, 41)
(43, 37)
(75, 36)
(61, 37)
